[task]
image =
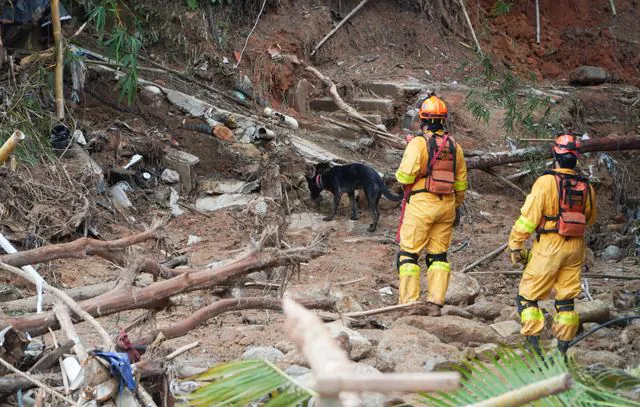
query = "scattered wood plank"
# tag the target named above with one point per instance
(529, 393)
(337, 27)
(182, 350)
(330, 316)
(484, 258)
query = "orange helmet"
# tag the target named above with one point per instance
(567, 144)
(433, 108)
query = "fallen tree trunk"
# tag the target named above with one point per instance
(78, 294)
(157, 294)
(11, 383)
(80, 248)
(610, 143)
(231, 304)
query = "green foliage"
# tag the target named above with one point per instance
(120, 26)
(511, 370)
(501, 8)
(503, 89)
(240, 383)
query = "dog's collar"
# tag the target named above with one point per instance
(319, 181)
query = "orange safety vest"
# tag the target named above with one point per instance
(571, 220)
(441, 169)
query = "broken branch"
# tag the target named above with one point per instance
(57, 38)
(157, 294)
(78, 294)
(484, 258)
(231, 304)
(337, 27)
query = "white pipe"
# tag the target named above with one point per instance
(8, 247)
(537, 21)
(284, 119)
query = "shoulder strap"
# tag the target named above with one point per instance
(433, 160)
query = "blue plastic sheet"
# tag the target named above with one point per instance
(119, 367)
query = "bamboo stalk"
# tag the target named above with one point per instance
(10, 145)
(57, 38)
(485, 258)
(613, 8)
(529, 393)
(473, 33)
(337, 27)
(538, 21)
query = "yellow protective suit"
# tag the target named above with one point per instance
(556, 261)
(428, 222)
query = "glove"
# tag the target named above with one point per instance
(520, 256)
(456, 222)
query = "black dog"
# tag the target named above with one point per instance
(348, 178)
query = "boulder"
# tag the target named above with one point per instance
(600, 333)
(593, 311)
(486, 352)
(406, 348)
(463, 289)
(485, 310)
(347, 303)
(359, 346)
(457, 311)
(591, 357)
(264, 353)
(170, 176)
(506, 328)
(297, 370)
(452, 329)
(588, 75)
(611, 252)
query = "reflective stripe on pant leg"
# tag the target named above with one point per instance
(566, 322)
(438, 281)
(532, 320)
(409, 273)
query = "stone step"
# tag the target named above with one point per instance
(330, 130)
(373, 118)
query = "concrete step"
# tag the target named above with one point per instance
(373, 118)
(383, 107)
(390, 89)
(374, 105)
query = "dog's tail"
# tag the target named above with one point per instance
(390, 195)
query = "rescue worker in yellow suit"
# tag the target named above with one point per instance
(559, 208)
(434, 174)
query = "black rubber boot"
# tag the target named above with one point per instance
(563, 346)
(534, 342)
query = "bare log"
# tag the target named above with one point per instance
(78, 294)
(484, 258)
(324, 354)
(79, 248)
(219, 307)
(529, 393)
(610, 143)
(57, 39)
(337, 27)
(157, 294)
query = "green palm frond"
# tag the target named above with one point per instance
(512, 369)
(244, 382)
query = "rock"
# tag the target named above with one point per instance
(347, 303)
(452, 329)
(611, 252)
(294, 357)
(588, 75)
(591, 357)
(486, 352)
(193, 239)
(306, 220)
(600, 333)
(297, 370)
(506, 328)
(214, 203)
(372, 335)
(246, 150)
(369, 399)
(359, 346)
(457, 311)
(183, 163)
(589, 258)
(485, 310)
(170, 176)
(151, 96)
(593, 311)
(285, 346)
(406, 348)
(463, 289)
(212, 187)
(264, 353)
(508, 314)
